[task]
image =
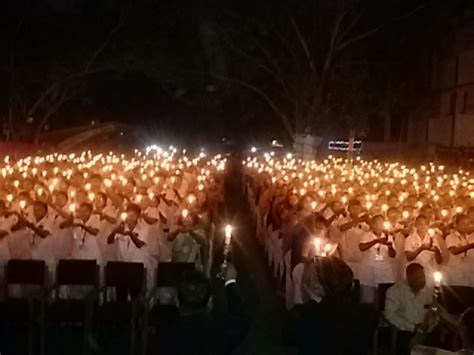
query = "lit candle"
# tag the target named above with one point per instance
(437, 278)
(314, 204)
(123, 216)
(228, 234)
(387, 225)
(185, 213)
(72, 207)
(317, 246)
(22, 204)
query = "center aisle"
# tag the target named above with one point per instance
(266, 311)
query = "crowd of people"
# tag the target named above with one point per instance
(378, 218)
(149, 207)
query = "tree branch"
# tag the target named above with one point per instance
(304, 45)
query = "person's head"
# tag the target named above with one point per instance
(60, 199)
(84, 212)
(293, 200)
(189, 220)
(354, 208)
(467, 329)
(393, 215)
(376, 224)
(462, 223)
(133, 213)
(422, 224)
(416, 278)
(40, 209)
(335, 277)
(81, 196)
(100, 201)
(320, 223)
(194, 292)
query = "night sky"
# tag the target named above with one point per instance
(203, 70)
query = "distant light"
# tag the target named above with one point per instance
(289, 156)
(253, 150)
(275, 143)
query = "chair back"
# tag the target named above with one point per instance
(27, 272)
(77, 273)
(355, 293)
(382, 295)
(170, 274)
(125, 275)
(456, 299)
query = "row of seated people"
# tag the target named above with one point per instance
(296, 230)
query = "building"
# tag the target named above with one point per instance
(444, 117)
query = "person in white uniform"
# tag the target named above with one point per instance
(132, 236)
(7, 220)
(423, 247)
(38, 232)
(377, 247)
(352, 228)
(460, 243)
(85, 228)
(62, 237)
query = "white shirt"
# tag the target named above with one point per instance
(5, 225)
(426, 258)
(460, 269)
(85, 245)
(350, 239)
(42, 248)
(127, 249)
(376, 266)
(403, 308)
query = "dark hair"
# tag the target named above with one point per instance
(134, 208)
(353, 202)
(194, 291)
(336, 277)
(62, 193)
(41, 204)
(412, 268)
(87, 205)
(460, 217)
(421, 217)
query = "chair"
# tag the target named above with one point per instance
(122, 277)
(384, 325)
(68, 310)
(456, 299)
(155, 314)
(23, 311)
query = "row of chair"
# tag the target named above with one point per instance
(42, 307)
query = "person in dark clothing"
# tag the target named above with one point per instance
(203, 325)
(337, 325)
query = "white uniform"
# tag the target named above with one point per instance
(426, 258)
(460, 269)
(42, 248)
(85, 245)
(108, 251)
(349, 243)
(62, 239)
(5, 225)
(128, 251)
(376, 266)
